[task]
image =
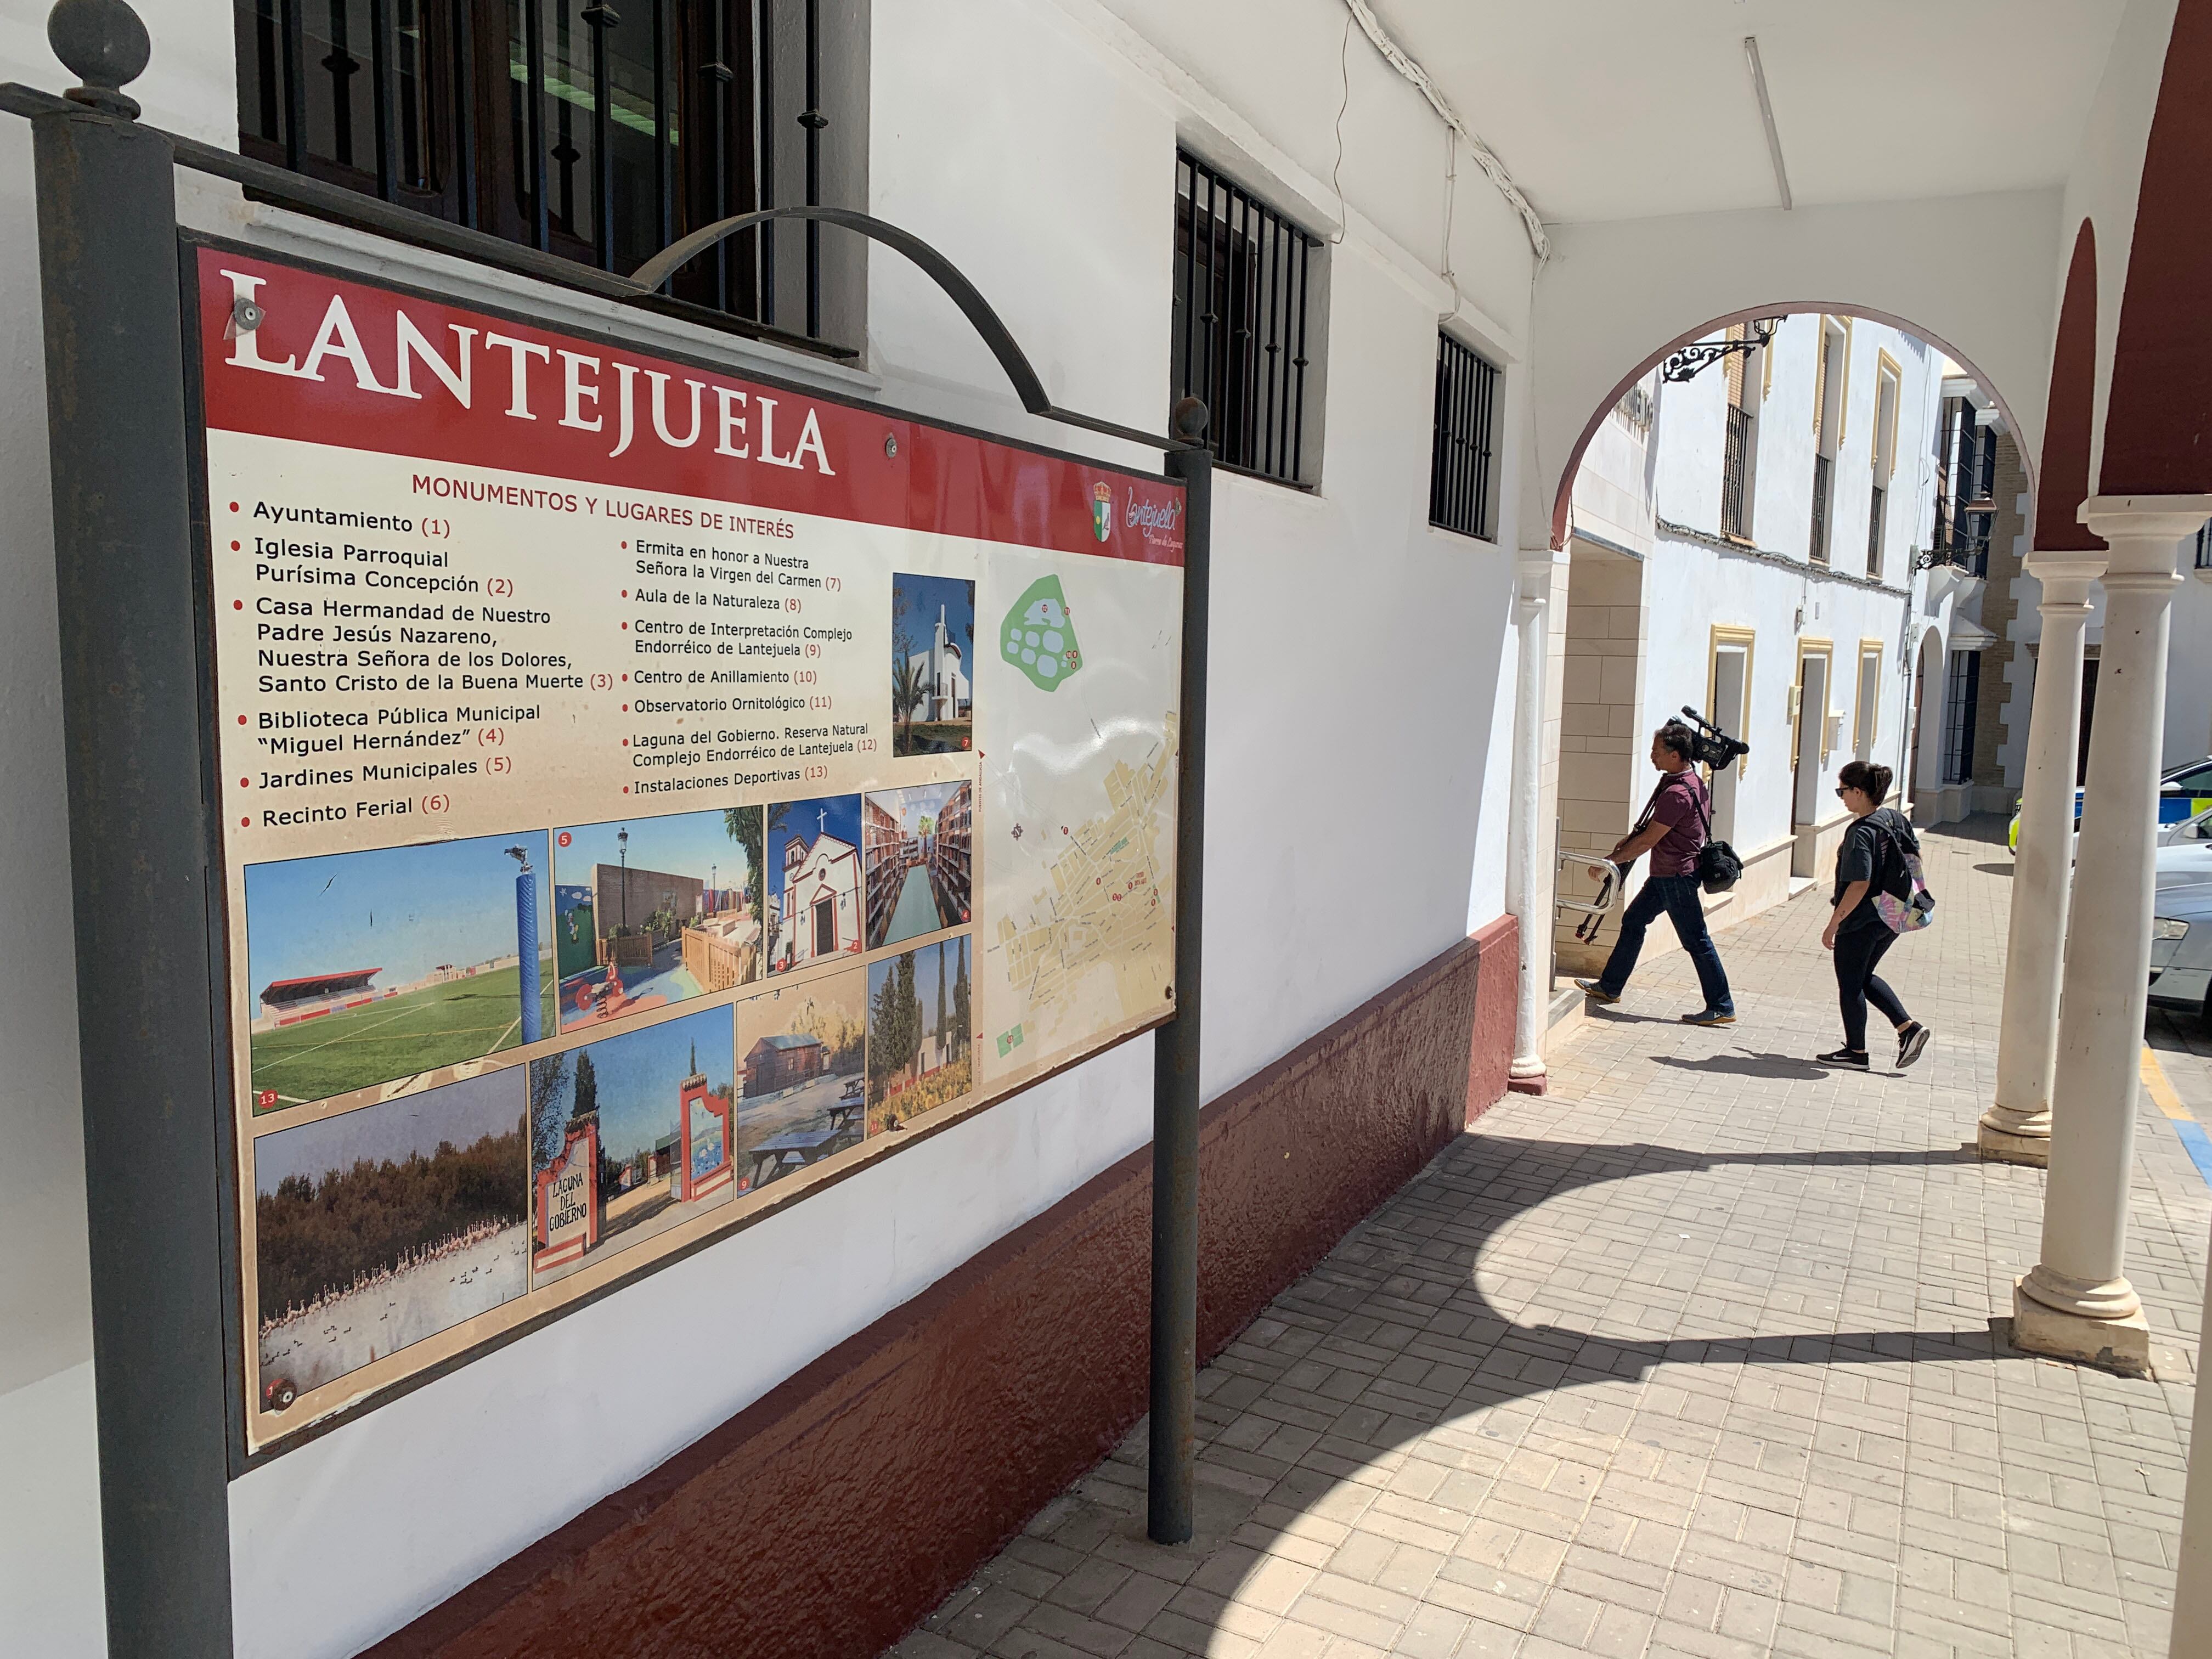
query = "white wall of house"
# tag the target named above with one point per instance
(1049, 177)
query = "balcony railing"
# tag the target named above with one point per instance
(1822, 467)
(597, 133)
(1735, 470)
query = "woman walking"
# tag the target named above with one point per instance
(1878, 841)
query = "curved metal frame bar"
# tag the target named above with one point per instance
(656, 272)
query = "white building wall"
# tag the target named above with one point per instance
(1033, 142)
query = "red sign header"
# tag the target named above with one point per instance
(352, 365)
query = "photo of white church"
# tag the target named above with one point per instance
(932, 634)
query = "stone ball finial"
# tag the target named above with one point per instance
(105, 44)
(1189, 418)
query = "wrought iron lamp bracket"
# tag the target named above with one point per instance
(1692, 361)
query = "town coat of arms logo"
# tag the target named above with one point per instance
(1102, 510)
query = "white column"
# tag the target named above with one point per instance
(2192, 1583)
(2077, 1302)
(1529, 862)
(2017, 1128)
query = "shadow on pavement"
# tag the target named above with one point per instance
(1385, 1297)
(1788, 1067)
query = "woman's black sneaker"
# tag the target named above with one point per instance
(1912, 1043)
(1842, 1057)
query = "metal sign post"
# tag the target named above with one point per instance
(139, 846)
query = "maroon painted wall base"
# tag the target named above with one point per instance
(1537, 1085)
(829, 1517)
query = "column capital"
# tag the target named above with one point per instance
(2065, 576)
(2144, 530)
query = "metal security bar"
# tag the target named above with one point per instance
(1461, 453)
(1243, 279)
(1736, 473)
(1960, 715)
(598, 131)
(2204, 547)
(1823, 468)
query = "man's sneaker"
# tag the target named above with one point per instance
(1912, 1043)
(1595, 991)
(1842, 1057)
(1708, 1016)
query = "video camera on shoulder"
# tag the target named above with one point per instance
(1710, 745)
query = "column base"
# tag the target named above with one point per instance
(2121, 1345)
(1528, 1077)
(2008, 1137)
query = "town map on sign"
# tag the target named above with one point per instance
(1092, 944)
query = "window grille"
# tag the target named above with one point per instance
(2204, 547)
(594, 131)
(1822, 467)
(1461, 450)
(1244, 287)
(1879, 500)
(1958, 714)
(1736, 473)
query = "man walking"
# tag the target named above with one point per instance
(1672, 829)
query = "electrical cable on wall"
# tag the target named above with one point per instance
(1336, 172)
(1485, 157)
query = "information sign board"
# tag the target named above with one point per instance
(646, 793)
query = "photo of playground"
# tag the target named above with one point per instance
(381, 1227)
(386, 964)
(629, 1136)
(800, 1052)
(650, 911)
(916, 847)
(814, 909)
(933, 643)
(919, 1019)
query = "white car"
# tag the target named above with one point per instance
(2184, 850)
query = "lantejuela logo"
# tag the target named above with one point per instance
(1102, 510)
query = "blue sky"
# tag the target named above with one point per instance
(639, 1076)
(404, 909)
(835, 815)
(687, 844)
(911, 805)
(462, 1113)
(914, 600)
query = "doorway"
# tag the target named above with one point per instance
(1805, 759)
(1726, 707)
(825, 927)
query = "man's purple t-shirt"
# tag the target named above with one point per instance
(1682, 808)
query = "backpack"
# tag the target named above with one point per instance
(1902, 902)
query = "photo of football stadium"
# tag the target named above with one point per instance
(374, 966)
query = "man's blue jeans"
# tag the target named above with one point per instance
(1678, 896)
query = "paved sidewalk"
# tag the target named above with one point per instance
(1700, 1354)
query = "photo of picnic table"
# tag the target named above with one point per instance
(799, 1148)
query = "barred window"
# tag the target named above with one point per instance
(1960, 714)
(1243, 289)
(596, 132)
(1462, 455)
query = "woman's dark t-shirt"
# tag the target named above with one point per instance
(1864, 856)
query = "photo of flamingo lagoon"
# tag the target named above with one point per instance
(385, 1225)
